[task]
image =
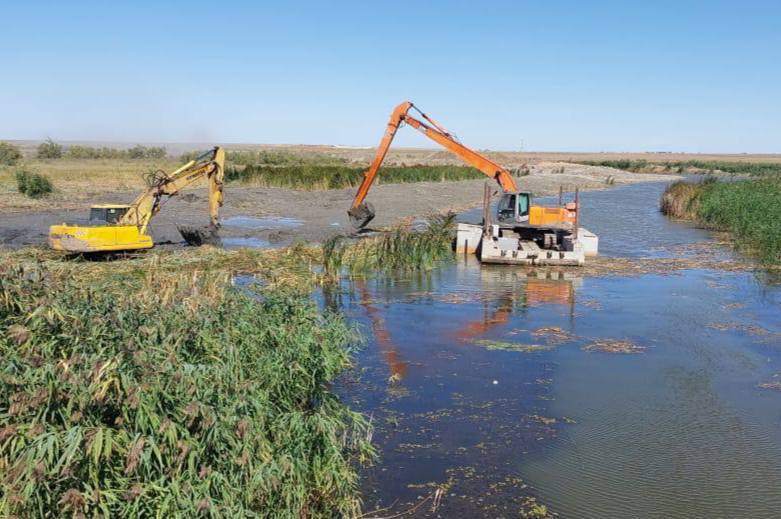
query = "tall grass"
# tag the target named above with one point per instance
(316, 176)
(691, 166)
(400, 249)
(750, 209)
(182, 396)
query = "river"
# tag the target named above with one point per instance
(488, 382)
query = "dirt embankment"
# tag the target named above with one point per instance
(312, 215)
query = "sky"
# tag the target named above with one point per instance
(507, 75)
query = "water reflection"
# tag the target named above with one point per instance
(397, 367)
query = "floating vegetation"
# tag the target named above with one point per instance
(750, 329)
(512, 346)
(613, 346)
(129, 389)
(544, 420)
(553, 335)
(531, 509)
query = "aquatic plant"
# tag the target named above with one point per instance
(613, 346)
(513, 346)
(750, 209)
(400, 249)
(681, 199)
(176, 395)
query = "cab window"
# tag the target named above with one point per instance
(106, 214)
(506, 206)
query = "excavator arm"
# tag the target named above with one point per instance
(362, 213)
(209, 165)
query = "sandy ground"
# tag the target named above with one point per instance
(310, 215)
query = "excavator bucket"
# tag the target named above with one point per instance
(198, 236)
(361, 216)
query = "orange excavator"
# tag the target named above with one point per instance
(515, 205)
(522, 234)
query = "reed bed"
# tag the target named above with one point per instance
(691, 166)
(749, 209)
(291, 269)
(317, 176)
(170, 394)
(402, 248)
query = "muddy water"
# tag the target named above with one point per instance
(480, 382)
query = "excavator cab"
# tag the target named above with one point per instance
(513, 207)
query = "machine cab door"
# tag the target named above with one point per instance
(513, 208)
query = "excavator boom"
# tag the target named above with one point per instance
(362, 213)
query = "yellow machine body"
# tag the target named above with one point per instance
(96, 238)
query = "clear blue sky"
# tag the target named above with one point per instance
(544, 75)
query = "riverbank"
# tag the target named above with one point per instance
(749, 209)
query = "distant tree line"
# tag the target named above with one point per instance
(52, 150)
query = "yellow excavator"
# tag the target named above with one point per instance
(124, 227)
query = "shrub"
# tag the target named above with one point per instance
(81, 152)
(142, 152)
(33, 185)
(9, 154)
(136, 152)
(155, 152)
(49, 150)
